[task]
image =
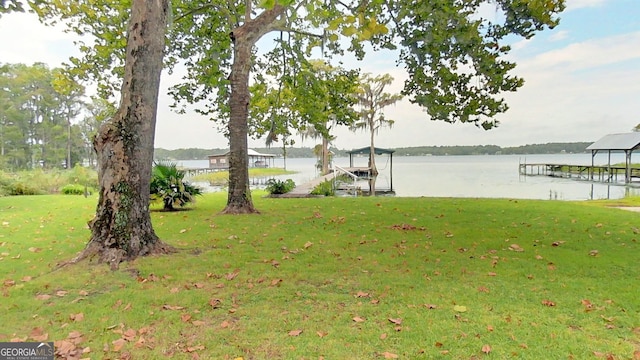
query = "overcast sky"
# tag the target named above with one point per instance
(582, 81)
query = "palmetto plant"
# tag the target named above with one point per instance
(168, 186)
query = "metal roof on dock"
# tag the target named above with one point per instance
(367, 150)
(619, 142)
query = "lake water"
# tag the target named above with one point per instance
(492, 176)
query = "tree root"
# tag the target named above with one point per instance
(238, 210)
(113, 256)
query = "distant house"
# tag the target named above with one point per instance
(256, 160)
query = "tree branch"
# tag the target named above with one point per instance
(247, 11)
(285, 29)
(225, 11)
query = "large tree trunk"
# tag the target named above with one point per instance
(239, 198)
(121, 229)
(244, 37)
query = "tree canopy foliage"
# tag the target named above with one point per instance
(453, 51)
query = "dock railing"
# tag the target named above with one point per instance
(337, 169)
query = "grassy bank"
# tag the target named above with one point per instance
(334, 278)
(221, 178)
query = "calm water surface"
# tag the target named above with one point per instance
(493, 176)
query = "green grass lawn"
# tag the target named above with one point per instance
(221, 178)
(332, 278)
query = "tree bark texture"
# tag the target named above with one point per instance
(122, 229)
(325, 155)
(372, 152)
(244, 38)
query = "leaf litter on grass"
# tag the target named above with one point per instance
(402, 270)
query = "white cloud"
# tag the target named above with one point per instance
(577, 4)
(25, 40)
(588, 54)
(559, 35)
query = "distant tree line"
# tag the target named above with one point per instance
(45, 121)
(548, 148)
(306, 152)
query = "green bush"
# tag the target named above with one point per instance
(280, 187)
(76, 189)
(39, 181)
(21, 188)
(168, 186)
(324, 188)
(82, 176)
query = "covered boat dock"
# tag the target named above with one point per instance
(625, 143)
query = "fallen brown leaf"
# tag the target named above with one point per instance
(194, 348)
(76, 317)
(486, 349)
(215, 303)
(232, 275)
(516, 248)
(548, 303)
(38, 334)
(388, 355)
(295, 332)
(129, 335)
(118, 344)
(140, 343)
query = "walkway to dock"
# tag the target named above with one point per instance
(304, 190)
(190, 172)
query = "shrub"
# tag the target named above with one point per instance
(76, 189)
(21, 188)
(168, 186)
(324, 188)
(275, 186)
(82, 176)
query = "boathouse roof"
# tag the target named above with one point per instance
(250, 152)
(617, 142)
(367, 150)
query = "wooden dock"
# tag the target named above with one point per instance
(602, 173)
(304, 190)
(190, 172)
